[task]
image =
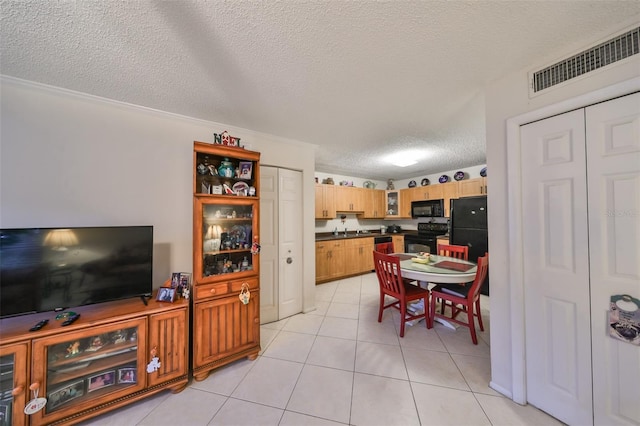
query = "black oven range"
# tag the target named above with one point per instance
(425, 239)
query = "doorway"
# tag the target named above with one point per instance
(281, 243)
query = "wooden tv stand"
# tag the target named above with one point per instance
(98, 363)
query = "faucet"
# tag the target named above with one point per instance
(335, 231)
(345, 232)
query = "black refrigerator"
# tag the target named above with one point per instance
(469, 228)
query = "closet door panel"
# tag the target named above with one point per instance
(556, 267)
(613, 164)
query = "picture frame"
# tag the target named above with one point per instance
(101, 380)
(175, 279)
(5, 413)
(185, 282)
(166, 294)
(246, 169)
(65, 394)
(127, 375)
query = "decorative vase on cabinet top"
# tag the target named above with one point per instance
(226, 168)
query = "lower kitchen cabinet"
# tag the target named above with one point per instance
(224, 328)
(114, 354)
(358, 255)
(342, 258)
(398, 243)
(330, 260)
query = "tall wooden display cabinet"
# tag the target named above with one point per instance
(226, 305)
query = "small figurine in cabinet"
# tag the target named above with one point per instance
(73, 349)
(96, 344)
(119, 337)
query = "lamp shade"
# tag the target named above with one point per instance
(60, 239)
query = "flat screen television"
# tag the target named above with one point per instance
(51, 269)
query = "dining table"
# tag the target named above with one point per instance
(439, 269)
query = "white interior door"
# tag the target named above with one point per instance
(290, 247)
(268, 244)
(281, 243)
(556, 267)
(613, 164)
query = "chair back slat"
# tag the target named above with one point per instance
(388, 272)
(450, 250)
(481, 276)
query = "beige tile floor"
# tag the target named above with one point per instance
(338, 366)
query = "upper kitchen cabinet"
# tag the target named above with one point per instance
(374, 204)
(392, 205)
(449, 191)
(429, 192)
(325, 201)
(349, 199)
(472, 187)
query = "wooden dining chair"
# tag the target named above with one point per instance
(393, 285)
(450, 250)
(465, 299)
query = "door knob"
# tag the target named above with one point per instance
(289, 260)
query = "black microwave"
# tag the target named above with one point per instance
(427, 208)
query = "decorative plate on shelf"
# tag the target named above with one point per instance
(443, 179)
(242, 187)
(483, 172)
(412, 184)
(425, 182)
(459, 175)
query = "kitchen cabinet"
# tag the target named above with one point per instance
(358, 254)
(392, 209)
(472, 187)
(325, 201)
(398, 243)
(374, 204)
(102, 361)
(405, 204)
(330, 260)
(442, 241)
(449, 192)
(225, 256)
(428, 192)
(349, 199)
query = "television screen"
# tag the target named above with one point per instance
(46, 269)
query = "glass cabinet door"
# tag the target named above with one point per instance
(226, 237)
(393, 203)
(13, 384)
(89, 364)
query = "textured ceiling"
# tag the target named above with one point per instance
(360, 79)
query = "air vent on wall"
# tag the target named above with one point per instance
(606, 53)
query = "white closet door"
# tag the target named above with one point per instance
(613, 140)
(269, 267)
(290, 225)
(556, 267)
(281, 242)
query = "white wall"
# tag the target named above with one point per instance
(505, 99)
(70, 159)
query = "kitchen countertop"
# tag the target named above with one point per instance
(328, 236)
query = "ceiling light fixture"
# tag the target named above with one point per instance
(405, 158)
